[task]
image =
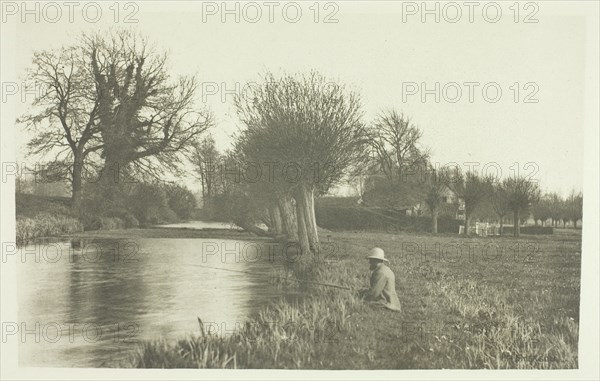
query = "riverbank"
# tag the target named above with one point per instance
(38, 216)
(47, 217)
(167, 232)
(466, 303)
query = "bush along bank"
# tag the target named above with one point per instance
(379, 219)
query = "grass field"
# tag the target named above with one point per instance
(466, 303)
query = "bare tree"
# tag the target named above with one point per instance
(147, 120)
(397, 153)
(206, 158)
(436, 192)
(500, 203)
(574, 206)
(249, 150)
(557, 206)
(64, 119)
(521, 195)
(109, 96)
(472, 189)
(310, 122)
(543, 209)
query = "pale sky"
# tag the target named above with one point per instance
(373, 51)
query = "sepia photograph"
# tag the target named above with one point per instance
(300, 189)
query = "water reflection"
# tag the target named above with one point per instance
(101, 297)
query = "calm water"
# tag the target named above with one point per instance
(208, 225)
(203, 225)
(89, 303)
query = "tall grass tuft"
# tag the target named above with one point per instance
(280, 336)
(45, 225)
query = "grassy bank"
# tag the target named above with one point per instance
(466, 303)
(38, 216)
(45, 225)
(42, 216)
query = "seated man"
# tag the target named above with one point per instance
(383, 282)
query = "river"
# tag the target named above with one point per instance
(90, 302)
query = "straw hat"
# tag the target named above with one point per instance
(377, 253)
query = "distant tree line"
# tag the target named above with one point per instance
(385, 157)
(554, 210)
(400, 175)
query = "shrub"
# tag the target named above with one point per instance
(131, 203)
(181, 200)
(149, 204)
(129, 220)
(203, 214)
(159, 215)
(236, 207)
(338, 202)
(101, 200)
(105, 223)
(29, 205)
(379, 219)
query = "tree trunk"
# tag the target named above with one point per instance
(501, 224)
(203, 188)
(282, 218)
(434, 218)
(76, 194)
(276, 223)
(77, 182)
(308, 206)
(302, 229)
(110, 173)
(516, 224)
(253, 229)
(467, 222)
(209, 190)
(288, 217)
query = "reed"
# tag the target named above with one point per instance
(45, 225)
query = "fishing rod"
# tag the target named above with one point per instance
(294, 280)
